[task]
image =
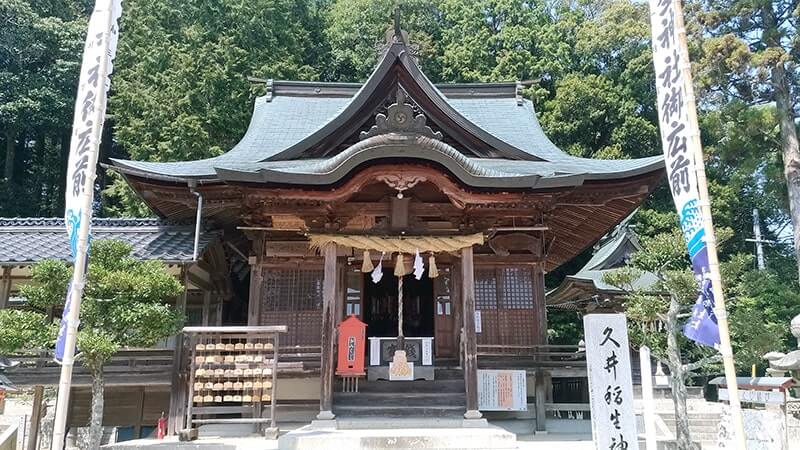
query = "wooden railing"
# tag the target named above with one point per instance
(128, 367)
(532, 356)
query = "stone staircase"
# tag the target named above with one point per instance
(442, 398)
(702, 426)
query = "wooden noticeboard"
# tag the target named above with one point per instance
(502, 390)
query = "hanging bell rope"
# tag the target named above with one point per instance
(433, 271)
(366, 266)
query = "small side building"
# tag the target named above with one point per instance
(138, 381)
(586, 291)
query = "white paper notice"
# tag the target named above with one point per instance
(502, 390)
(478, 322)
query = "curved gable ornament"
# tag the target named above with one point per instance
(400, 118)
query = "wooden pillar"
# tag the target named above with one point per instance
(539, 306)
(470, 340)
(137, 426)
(5, 287)
(341, 293)
(256, 281)
(177, 398)
(329, 291)
(206, 307)
(36, 417)
(543, 382)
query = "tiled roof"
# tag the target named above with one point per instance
(588, 281)
(287, 123)
(27, 240)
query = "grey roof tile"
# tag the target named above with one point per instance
(27, 240)
(285, 121)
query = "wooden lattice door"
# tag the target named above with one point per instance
(505, 303)
(444, 315)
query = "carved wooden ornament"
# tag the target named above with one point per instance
(400, 118)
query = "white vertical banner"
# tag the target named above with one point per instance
(90, 110)
(608, 364)
(87, 131)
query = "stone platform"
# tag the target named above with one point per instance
(311, 437)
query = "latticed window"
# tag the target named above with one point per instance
(504, 297)
(485, 289)
(293, 297)
(517, 290)
(292, 289)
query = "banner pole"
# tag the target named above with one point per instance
(104, 10)
(704, 203)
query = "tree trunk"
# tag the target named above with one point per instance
(96, 418)
(791, 152)
(785, 110)
(678, 377)
(11, 152)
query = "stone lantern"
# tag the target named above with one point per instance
(780, 363)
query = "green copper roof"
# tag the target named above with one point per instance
(588, 281)
(296, 116)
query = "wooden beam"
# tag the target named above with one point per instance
(470, 344)
(329, 291)
(199, 282)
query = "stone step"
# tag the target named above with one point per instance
(448, 373)
(432, 399)
(487, 438)
(398, 411)
(372, 423)
(444, 386)
(701, 423)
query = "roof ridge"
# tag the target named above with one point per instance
(47, 222)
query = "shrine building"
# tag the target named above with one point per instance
(335, 189)
(333, 178)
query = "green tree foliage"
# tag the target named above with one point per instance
(23, 329)
(355, 33)
(754, 299)
(749, 54)
(760, 307)
(123, 306)
(180, 89)
(40, 44)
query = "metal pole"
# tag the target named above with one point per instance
(711, 239)
(198, 218)
(103, 7)
(647, 398)
(758, 241)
